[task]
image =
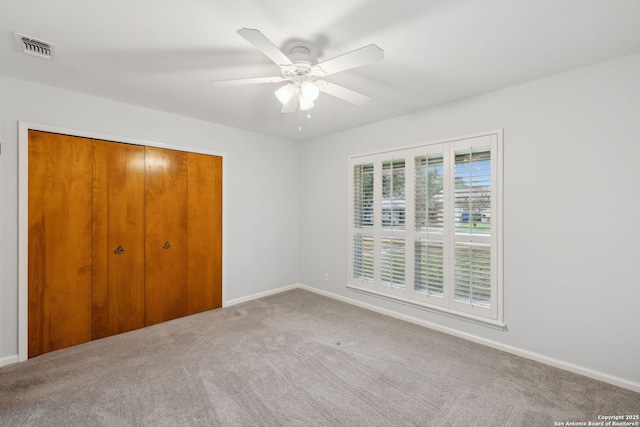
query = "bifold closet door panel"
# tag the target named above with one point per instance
(59, 235)
(204, 232)
(118, 238)
(165, 235)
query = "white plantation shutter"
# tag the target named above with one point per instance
(363, 179)
(429, 254)
(429, 198)
(392, 262)
(473, 251)
(362, 223)
(392, 211)
(473, 191)
(425, 226)
(429, 267)
(363, 257)
(472, 267)
(392, 204)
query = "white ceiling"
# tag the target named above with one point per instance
(164, 54)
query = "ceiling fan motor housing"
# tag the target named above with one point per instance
(303, 62)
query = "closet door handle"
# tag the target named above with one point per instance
(119, 250)
(167, 245)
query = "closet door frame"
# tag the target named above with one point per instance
(23, 210)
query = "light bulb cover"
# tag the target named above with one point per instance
(285, 93)
(310, 90)
(305, 103)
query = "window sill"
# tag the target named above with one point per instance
(491, 323)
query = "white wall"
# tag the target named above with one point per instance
(571, 146)
(262, 205)
(571, 203)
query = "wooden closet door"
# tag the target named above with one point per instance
(118, 222)
(59, 235)
(204, 232)
(166, 235)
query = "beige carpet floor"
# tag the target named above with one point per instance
(296, 359)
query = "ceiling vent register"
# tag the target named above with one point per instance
(34, 47)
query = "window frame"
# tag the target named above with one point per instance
(447, 304)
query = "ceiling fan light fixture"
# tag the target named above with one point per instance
(310, 90)
(285, 93)
(305, 103)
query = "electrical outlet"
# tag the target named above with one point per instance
(326, 277)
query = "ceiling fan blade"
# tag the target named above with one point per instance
(345, 94)
(292, 105)
(266, 46)
(250, 81)
(356, 58)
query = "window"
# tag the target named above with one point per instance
(425, 226)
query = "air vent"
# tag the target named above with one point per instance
(34, 47)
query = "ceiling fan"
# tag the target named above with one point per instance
(303, 73)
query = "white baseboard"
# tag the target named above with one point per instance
(590, 373)
(8, 360)
(260, 295)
